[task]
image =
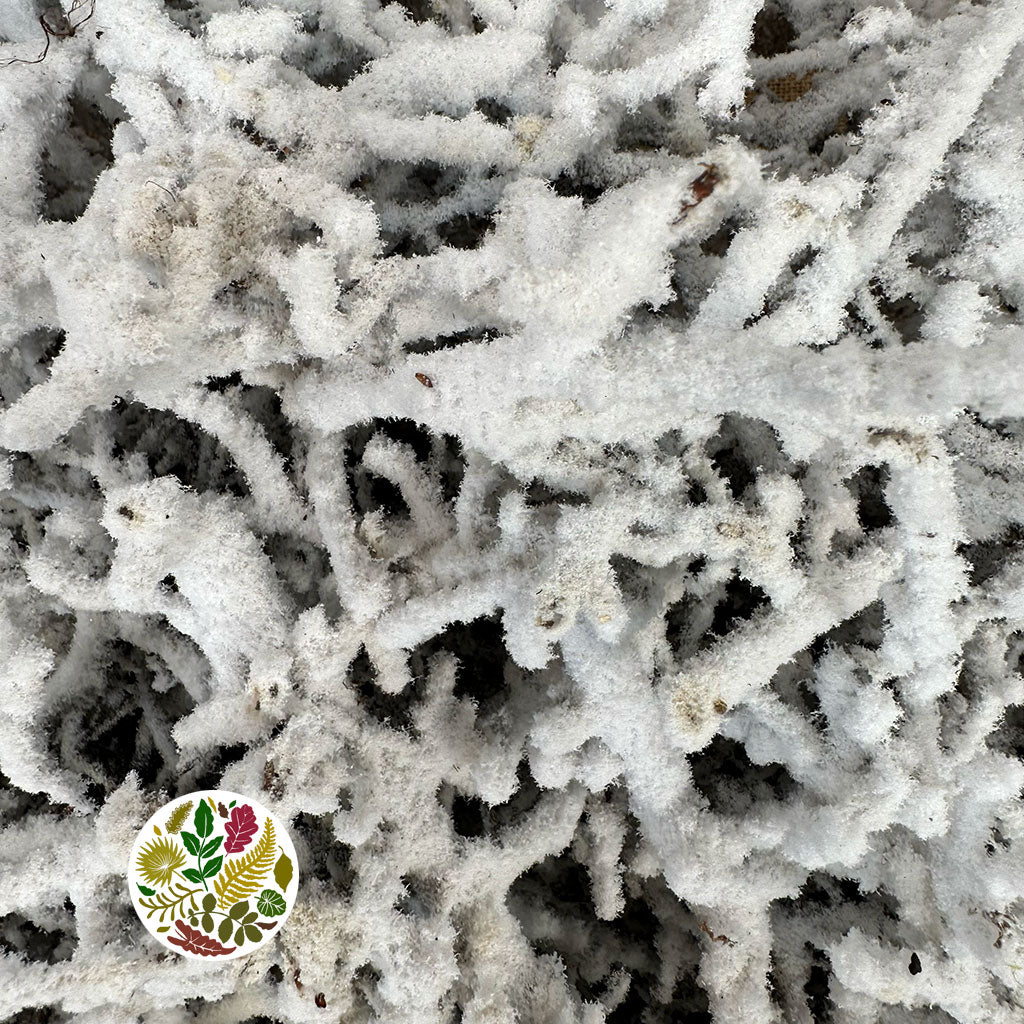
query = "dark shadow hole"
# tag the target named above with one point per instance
(395, 710)
(867, 486)
(208, 771)
(465, 230)
(174, 447)
(904, 313)
(773, 32)
(421, 897)
(575, 183)
(741, 448)
(34, 943)
(124, 726)
(494, 110)
(300, 566)
(865, 629)
(538, 493)
(442, 341)
(479, 648)
(328, 860)
(819, 1002)
(987, 558)
(80, 148)
(732, 784)
(741, 601)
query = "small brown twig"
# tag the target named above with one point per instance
(63, 28)
(713, 937)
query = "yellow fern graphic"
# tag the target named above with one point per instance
(242, 876)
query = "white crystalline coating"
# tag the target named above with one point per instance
(565, 457)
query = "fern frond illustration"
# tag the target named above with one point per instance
(243, 876)
(172, 901)
(178, 816)
(159, 859)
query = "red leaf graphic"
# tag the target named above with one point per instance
(240, 829)
(192, 940)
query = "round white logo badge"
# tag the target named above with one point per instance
(213, 875)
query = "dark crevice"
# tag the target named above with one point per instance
(174, 447)
(394, 710)
(32, 942)
(125, 725)
(323, 856)
(465, 230)
(773, 31)
(732, 784)
(741, 449)
(479, 648)
(79, 149)
(867, 486)
(421, 346)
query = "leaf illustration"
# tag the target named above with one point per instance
(145, 891)
(178, 816)
(192, 875)
(283, 872)
(191, 843)
(156, 829)
(239, 910)
(222, 810)
(211, 847)
(209, 902)
(267, 925)
(203, 820)
(271, 903)
(240, 829)
(159, 859)
(164, 928)
(213, 806)
(194, 941)
(224, 931)
(242, 876)
(172, 901)
(211, 867)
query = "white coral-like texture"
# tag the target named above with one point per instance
(564, 457)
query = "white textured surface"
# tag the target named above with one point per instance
(663, 656)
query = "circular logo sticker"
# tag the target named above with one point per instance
(213, 874)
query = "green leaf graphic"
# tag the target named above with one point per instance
(203, 820)
(224, 931)
(270, 903)
(191, 843)
(239, 937)
(145, 891)
(239, 910)
(209, 901)
(211, 847)
(283, 872)
(164, 928)
(207, 922)
(251, 933)
(192, 875)
(211, 867)
(173, 901)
